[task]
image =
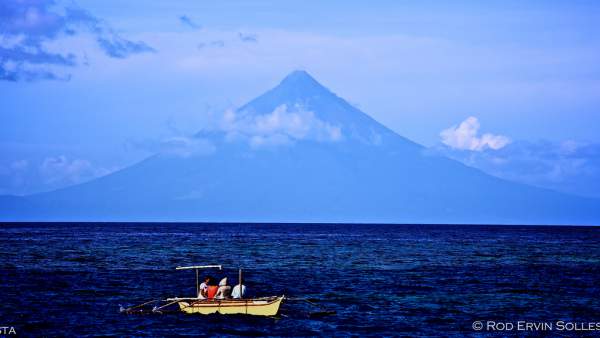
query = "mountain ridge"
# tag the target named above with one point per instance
(300, 88)
(271, 163)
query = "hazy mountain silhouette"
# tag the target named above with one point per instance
(299, 153)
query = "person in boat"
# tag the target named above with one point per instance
(236, 294)
(203, 290)
(224, 290)
(212, 289)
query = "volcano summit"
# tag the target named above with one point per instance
(300, 153)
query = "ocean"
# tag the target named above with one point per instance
(375, 280)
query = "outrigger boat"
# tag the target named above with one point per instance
(268, 306)
(265, 306)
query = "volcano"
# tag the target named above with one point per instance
(300, 153)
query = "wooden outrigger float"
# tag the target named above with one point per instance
(265, 306)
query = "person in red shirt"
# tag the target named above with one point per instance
(212, 289)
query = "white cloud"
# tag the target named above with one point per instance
(464, 137)
(38, 174)
(569, 166)
(62, 170)
(282, 126)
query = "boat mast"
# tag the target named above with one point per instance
(240, 282)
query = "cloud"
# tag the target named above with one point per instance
(33, 175)
(33, 18)
(26, 27)
(464, 136)
(30, 64)
(26, 176)
(62, 170)
(117, 47)
(113, 44)
(252, 38)
(568, 166)
(282, 126)
(187, 21)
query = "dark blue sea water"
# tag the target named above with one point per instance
(393, 280)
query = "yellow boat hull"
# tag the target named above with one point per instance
(254, 307)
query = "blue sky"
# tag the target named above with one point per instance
(86, 83)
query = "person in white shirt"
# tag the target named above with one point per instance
(202, 292)
(224, 289)
(235, 293)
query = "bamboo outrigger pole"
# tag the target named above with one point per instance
(220, 267)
